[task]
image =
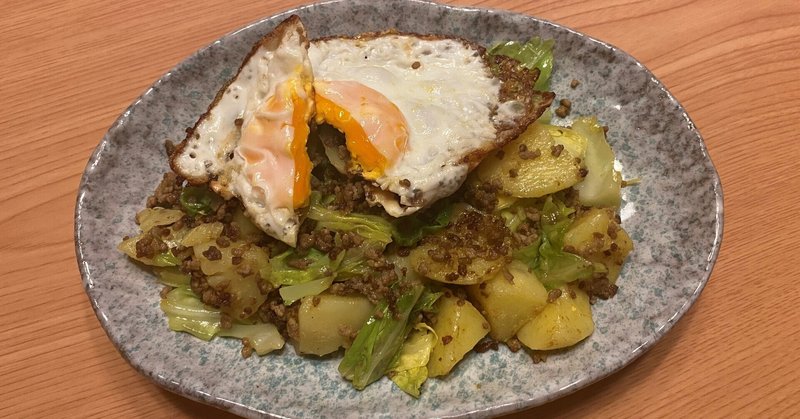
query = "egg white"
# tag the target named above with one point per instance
(446, 92)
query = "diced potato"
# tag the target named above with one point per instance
(245, 296)
(509, 304)
(533, 177)
(562, 323)
(459, 326)
(449, 255)
(215, 266)
(321, 325)
(590, 235)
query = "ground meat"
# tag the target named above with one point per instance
(376, 286)
(514, 344)
(485, 345)
(482, 196)
(348, 333)
(574, 83)
(150, 245)
(526, 154)
(247, 349)
(553, 295)
(212, 253)
(323, 240)
(275, 312)
(556, 150)
(168, 192)
(208, 294)
(538, 356)
(599, 287)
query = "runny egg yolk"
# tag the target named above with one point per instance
(273, 145)
(376, 132)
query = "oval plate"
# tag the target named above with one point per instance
(674, 217)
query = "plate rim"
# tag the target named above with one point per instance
(517, 405)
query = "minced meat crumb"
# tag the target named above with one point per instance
(168, 192)
(514, 344)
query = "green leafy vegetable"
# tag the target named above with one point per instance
(409, 370)
(186, 313)
(166, 259)
(601, 186)
(371, 227)
(151, 217)
(379, 341)
(315, 265)
(536, 53)
(551, 264)
(293, 293)
(407, 231)
(128, 246)
(427, 300)
(199, 200)
(263, 337)
(172, 277)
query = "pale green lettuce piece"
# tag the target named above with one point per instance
(379, 341)
(536, 53)
(371, 227)
(263, 337)
(186, 313)
(601, 186)
(292, 293)
(410, 369)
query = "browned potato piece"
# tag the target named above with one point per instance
(469, 251)
(562, 323)
(240, 296)
(459, 326)
(509, 304)
(238, 283)
(535, 163)
(321, 324)
(597, 237)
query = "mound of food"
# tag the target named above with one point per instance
(401, 196)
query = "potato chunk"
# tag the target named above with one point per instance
(509, 304)
(543, 160)
(562, 323)
(459, 326)
(597, 237)
(469, 251)
(322, 325)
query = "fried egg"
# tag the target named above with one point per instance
(251, 143)
(417, 112)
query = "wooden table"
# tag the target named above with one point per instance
(70, 68)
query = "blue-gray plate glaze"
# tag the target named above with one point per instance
(674, 217)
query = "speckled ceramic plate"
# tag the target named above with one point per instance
(674, 217)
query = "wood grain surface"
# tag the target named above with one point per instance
(69, 68)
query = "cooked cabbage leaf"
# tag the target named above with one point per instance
(370, 227)
(315, 265)
(199, 200)
(379, 340)
(601, 186)
(409, 370)
(536, 53)
(407, 231)
(552, 265)
(186, 313)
